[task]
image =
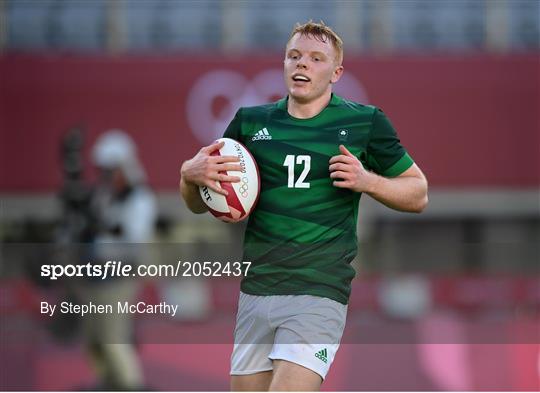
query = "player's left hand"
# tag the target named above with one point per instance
(348, 172)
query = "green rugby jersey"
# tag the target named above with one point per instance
(301, 237)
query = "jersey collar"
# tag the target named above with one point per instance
(334, 100)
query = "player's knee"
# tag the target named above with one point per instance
(290, 376)
(282, 385)
(253, 382)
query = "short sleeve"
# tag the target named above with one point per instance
(234, 129)
(385, 154)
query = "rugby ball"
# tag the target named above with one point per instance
(243, 195)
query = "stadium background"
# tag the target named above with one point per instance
(460, 81)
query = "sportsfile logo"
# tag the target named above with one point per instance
(322, 355)
(263, 135)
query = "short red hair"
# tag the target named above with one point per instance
(321, 32)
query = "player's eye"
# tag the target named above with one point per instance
(316, 59)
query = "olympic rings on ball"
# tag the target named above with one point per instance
(244, 187)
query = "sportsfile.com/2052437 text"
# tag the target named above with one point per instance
(111, 269)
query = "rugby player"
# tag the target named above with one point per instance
(317, 153)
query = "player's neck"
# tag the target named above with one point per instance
(307, 110)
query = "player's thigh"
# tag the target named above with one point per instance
(290, 376)
(253, 336)
(252, 382)
(310, 335)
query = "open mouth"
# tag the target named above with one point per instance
(300, 78)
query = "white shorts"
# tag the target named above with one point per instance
(302, 329)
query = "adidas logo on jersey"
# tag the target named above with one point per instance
(263, 135)
(322, 355)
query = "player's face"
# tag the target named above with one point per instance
(310, 68)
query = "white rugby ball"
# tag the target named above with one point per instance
(243, 195)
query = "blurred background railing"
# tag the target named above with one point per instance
(168, 25)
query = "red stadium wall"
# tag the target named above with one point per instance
(468, 121)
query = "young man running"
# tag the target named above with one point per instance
(316, 154)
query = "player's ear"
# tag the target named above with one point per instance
(338, 71)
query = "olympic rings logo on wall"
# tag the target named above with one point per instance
(236, 90)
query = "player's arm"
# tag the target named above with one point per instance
(204, 170)
(406, 192)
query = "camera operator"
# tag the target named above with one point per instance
(125, 209)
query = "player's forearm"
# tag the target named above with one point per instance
(192, 197)
(404, 193)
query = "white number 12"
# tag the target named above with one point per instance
(290, 162)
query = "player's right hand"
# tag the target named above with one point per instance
(208, 168)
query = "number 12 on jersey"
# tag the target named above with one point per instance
(290, 162)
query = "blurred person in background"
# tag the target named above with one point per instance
(126, 212)
(301, 237)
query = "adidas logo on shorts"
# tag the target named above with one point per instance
(322, 355)
(262, 135)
